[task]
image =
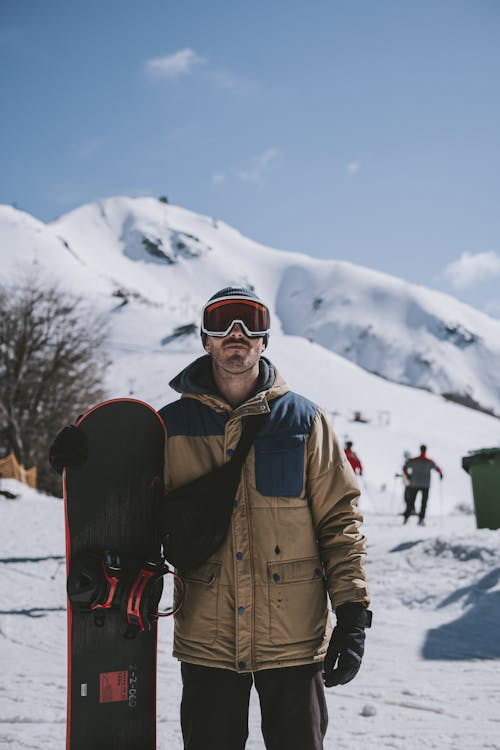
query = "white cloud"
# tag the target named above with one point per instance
(354, 167)
(174, 65)
(185, 60)
(472, 268)
(258, 166)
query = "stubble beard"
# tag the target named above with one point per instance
(236, 363)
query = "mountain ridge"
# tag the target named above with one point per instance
(142, 251)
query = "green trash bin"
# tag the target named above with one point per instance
(484, 469)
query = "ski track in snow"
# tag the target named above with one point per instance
(429, 678)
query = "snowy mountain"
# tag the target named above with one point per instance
(153, 265)
(429, 677)
(149, 267)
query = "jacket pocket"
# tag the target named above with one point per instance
(279, 464)
(197, 620)
(297, 601)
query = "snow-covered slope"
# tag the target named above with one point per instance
(406, 333)
(429, 677)
(155, 264)
(149, 267)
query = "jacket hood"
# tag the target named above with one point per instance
(197, 379)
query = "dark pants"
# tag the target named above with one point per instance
(214, 708)
(411, 496)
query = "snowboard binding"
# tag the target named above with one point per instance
(98, 581)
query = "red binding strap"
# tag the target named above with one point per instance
(111, 588)
(134, 616)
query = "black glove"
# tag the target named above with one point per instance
(347, 644)
(69, 449)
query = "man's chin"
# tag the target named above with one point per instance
(236, 363)
(236, 359)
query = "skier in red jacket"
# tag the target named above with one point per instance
(353, 459)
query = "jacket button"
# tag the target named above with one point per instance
(239, 555)
(276, 577)
(318, 572)
(241, 610)
(230, 451)
(235, 503)
(241, 665)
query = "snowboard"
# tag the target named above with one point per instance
(114, 567)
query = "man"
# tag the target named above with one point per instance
(256, 610)
(417, 471)
(353, 459)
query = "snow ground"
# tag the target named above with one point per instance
(430, 676)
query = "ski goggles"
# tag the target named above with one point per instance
(220, 315)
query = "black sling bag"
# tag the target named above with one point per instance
(195, 518)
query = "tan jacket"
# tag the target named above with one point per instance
(261, 601)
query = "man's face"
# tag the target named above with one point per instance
(235, 353)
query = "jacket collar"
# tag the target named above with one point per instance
(196, 381)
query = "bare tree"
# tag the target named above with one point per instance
(51, 369)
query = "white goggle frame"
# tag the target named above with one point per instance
(221, 334)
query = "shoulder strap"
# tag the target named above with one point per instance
(251, 425)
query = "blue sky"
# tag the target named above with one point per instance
(366, 130)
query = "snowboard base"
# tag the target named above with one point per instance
(111, 504)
